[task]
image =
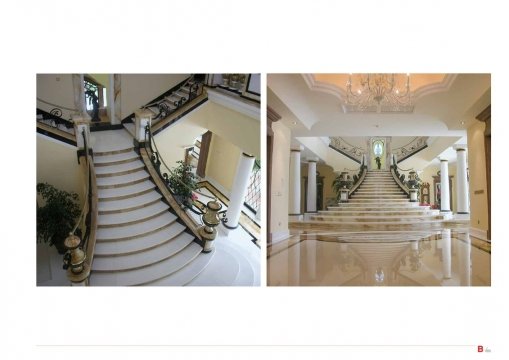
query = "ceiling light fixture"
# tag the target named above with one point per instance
(379, 93)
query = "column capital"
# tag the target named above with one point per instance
(442, 160)
(296, 148)
(460, 147)
(312, 159)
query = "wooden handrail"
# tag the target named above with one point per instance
(93, 211)
(184, 216)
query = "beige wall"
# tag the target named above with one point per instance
(280, 178)
(477, 171)
(138, 89)
(56, 89)
(57, 164)
(222, 162)
(234, 127)
(172, 142)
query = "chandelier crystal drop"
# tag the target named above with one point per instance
(379, 93)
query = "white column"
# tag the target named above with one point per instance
(446, 253)
(239, 189)
(294, 195)
(445, 205)
(311, 198)
(461, 179)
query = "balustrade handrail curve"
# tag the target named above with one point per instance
(164, 111)
(150, 141)
(87, 220)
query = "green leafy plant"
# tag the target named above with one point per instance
(339, 183)
(182, 182)
(57, 217)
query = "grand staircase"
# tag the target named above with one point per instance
(378, 204)
(139, 240)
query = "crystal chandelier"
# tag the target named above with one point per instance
(379, 93)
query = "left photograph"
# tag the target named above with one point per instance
(148, 179)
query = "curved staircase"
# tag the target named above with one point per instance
(140, 240)
(378, 204)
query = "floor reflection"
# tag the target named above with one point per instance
(446, 257)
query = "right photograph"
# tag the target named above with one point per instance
(379, 179)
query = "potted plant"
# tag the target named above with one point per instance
(378, 162)
(343, 181)
(57, 217)
(182, 182)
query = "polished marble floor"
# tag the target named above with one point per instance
(446, 257)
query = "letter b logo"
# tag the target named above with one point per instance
(480, 348)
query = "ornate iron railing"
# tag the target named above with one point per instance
(172, 102)
(417, 144)
(54, 119)
(343, 147)
(164, 172)
(86, 225)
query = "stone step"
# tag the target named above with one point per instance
(119, 169)
(132, 203)
(376, 200)
(410, 211)
(105, 160)
(187, 273)
(132, 217)
(122, 180)
(125, 192)
(364, 226)
(378, 196)
(381, 218)
(130, 246)
(148, 274)
(143, 258)
(136, 230)
(111, 142)
(375, 205)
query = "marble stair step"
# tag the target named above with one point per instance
(135, 230)
(415, 211)
(143, 258)
(381, 218)
(378, 196)
(125, 191)
(105, 160)
(365, 226)
(134, 216)
(377, 200)
(214, 274)
(188, 273)
(132, 203)
(120, 169)
(364, 209)
(147, 274)
(111, 141)
(374, 205)
(124, 247)
(122, 180)
(130, 128)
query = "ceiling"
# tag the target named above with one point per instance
(311, 105)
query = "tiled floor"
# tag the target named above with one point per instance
(392, 258)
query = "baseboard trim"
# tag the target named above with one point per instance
(479, 233)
